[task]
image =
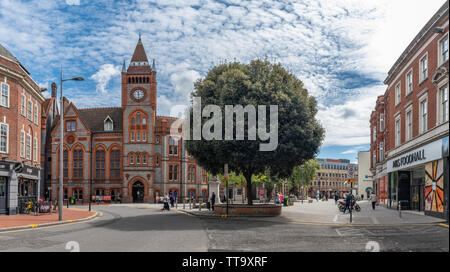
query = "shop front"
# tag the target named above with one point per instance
(418, 179)
(19, 183)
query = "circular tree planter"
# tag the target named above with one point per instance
(248, 210)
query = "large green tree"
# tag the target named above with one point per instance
(257, 83)
(304, 174)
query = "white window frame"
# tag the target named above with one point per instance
(440, 59)
(381, 121)
(407, 85)
(398, 130)
(108, 124)
(28, 147)
(35, 149)
(443, 109)
(398, 93)
(423, 77)
(423, 127)
(408, 129)
(22, 143)
(30, 110)
(8, 94)
(36, 114)
(6, 151)
(23, 108)
(381, 156)
(374, 134)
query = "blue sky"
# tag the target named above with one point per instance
(340, 49)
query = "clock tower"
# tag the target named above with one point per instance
(139, 116)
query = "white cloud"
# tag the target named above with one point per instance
(104, 75)
(318, 41)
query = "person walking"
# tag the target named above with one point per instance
(348, 203)
(373, 198)
(213, 200)
(172, 200)
(336, 198)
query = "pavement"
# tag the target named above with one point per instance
(25, 221)
(145, 227)
(326, 212)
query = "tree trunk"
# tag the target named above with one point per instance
(248, 178)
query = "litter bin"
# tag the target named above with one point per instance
(208, 205)
(72, 200)
(285, 201)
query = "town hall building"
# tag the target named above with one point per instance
(127, 152)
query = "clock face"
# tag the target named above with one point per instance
(138, 94)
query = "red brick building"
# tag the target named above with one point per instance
(410, 154)
(127, 152)
(20, 134)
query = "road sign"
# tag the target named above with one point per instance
(351, 180)
(351, 172)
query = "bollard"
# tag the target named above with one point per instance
(400, 209)
(200, 205)
(176, 203)
(190, 207)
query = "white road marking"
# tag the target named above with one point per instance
(335, 219)
(338, 232)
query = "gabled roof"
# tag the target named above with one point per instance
(47, 105)
(95, 118)
(5, 53)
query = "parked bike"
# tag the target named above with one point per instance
(342, 205)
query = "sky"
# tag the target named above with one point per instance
(340, 49)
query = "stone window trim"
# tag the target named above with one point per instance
(398, 93)
(423, 128)
(423, 78)
(4, 127)
(407, 85)
(408, 133)
(5, 91)
(439, 49)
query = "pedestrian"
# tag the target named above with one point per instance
(362, 196)
(326, 196)
(172, 200)
(166, 203)
(348, 203)
(373, 198)
(336, 198)
(281, 198)
(213, 200)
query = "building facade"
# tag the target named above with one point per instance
(20, 134)
(332, 177)
(364, 175)
(127, 153)
(411, 168)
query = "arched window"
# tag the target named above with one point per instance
(66, 163)
(115, 164)
(100, 163)
(132, 121)
(78, 163)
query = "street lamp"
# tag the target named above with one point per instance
(61, 151)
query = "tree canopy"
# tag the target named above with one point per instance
(257, 83)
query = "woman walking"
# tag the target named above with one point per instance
(373, 198)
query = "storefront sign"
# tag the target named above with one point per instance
(44, 207)
(421, 155)
(4, 166)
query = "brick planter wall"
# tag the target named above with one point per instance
(248, 210)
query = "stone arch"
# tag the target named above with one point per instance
(134, 181)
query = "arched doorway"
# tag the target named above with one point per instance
(138, 192)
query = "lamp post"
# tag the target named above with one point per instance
(61, 149)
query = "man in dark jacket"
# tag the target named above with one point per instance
(348, 203)
(336, 198)
(213, 200)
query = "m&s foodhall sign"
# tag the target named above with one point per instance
(421, 155)
(410, 158)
